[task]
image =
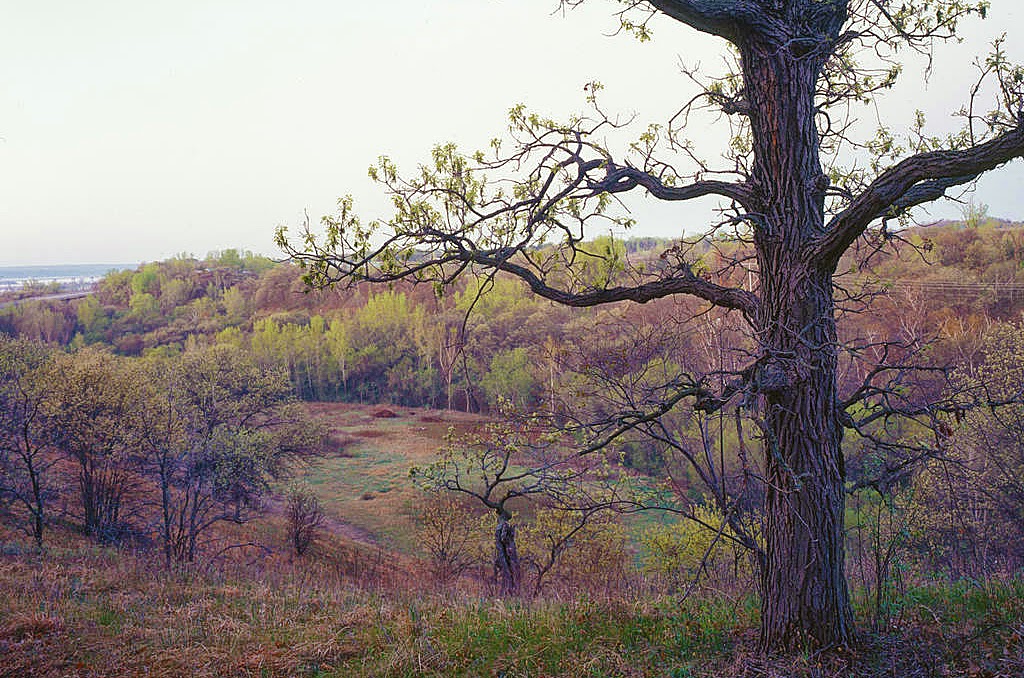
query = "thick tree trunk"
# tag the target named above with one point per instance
(805, 601)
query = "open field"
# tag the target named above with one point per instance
(366, 484)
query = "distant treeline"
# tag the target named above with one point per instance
(485, 339)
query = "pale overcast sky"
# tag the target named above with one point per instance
(133, 131)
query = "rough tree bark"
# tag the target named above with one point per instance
(793, 68)
(804, 592)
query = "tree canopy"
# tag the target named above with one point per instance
(801, 183)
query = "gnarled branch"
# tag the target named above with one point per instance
(918, 179)
(619, 179)
(727, 19)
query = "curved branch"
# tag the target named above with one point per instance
(621, 179)
(728, 19)
(683, 282)
(914, 181)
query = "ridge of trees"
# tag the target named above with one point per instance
(407, 346)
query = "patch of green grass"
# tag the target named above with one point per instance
(371, 491)
(111, 619)
(579, 638)
(369, 485)
(964, 601)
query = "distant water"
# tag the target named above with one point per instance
(76, 275)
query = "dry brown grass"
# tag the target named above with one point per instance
(29, 626)
(367, 433)
(101, 613)
(82, 611)
(357, 606)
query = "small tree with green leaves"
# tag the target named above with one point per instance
(91, 409)
(216, 429)
(503, 467)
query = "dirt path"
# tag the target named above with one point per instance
(350, 531)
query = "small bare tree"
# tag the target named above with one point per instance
(305, 518)
(450, 536)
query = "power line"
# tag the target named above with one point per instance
(958, 290)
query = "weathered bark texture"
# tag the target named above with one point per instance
(507, 569)
(805, 599)
(804, 593)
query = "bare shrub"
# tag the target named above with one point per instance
(573, 551)
(700, 547)
(451, 536)
(305, 517)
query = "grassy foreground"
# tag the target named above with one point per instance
(359, 605)
(84, 611)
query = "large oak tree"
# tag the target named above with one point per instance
(521, 209)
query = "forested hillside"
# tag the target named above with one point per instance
(163, 413)
(463, 349)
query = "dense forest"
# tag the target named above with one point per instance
(167, 404)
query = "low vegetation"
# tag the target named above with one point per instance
(361, 603)
(82, 610)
